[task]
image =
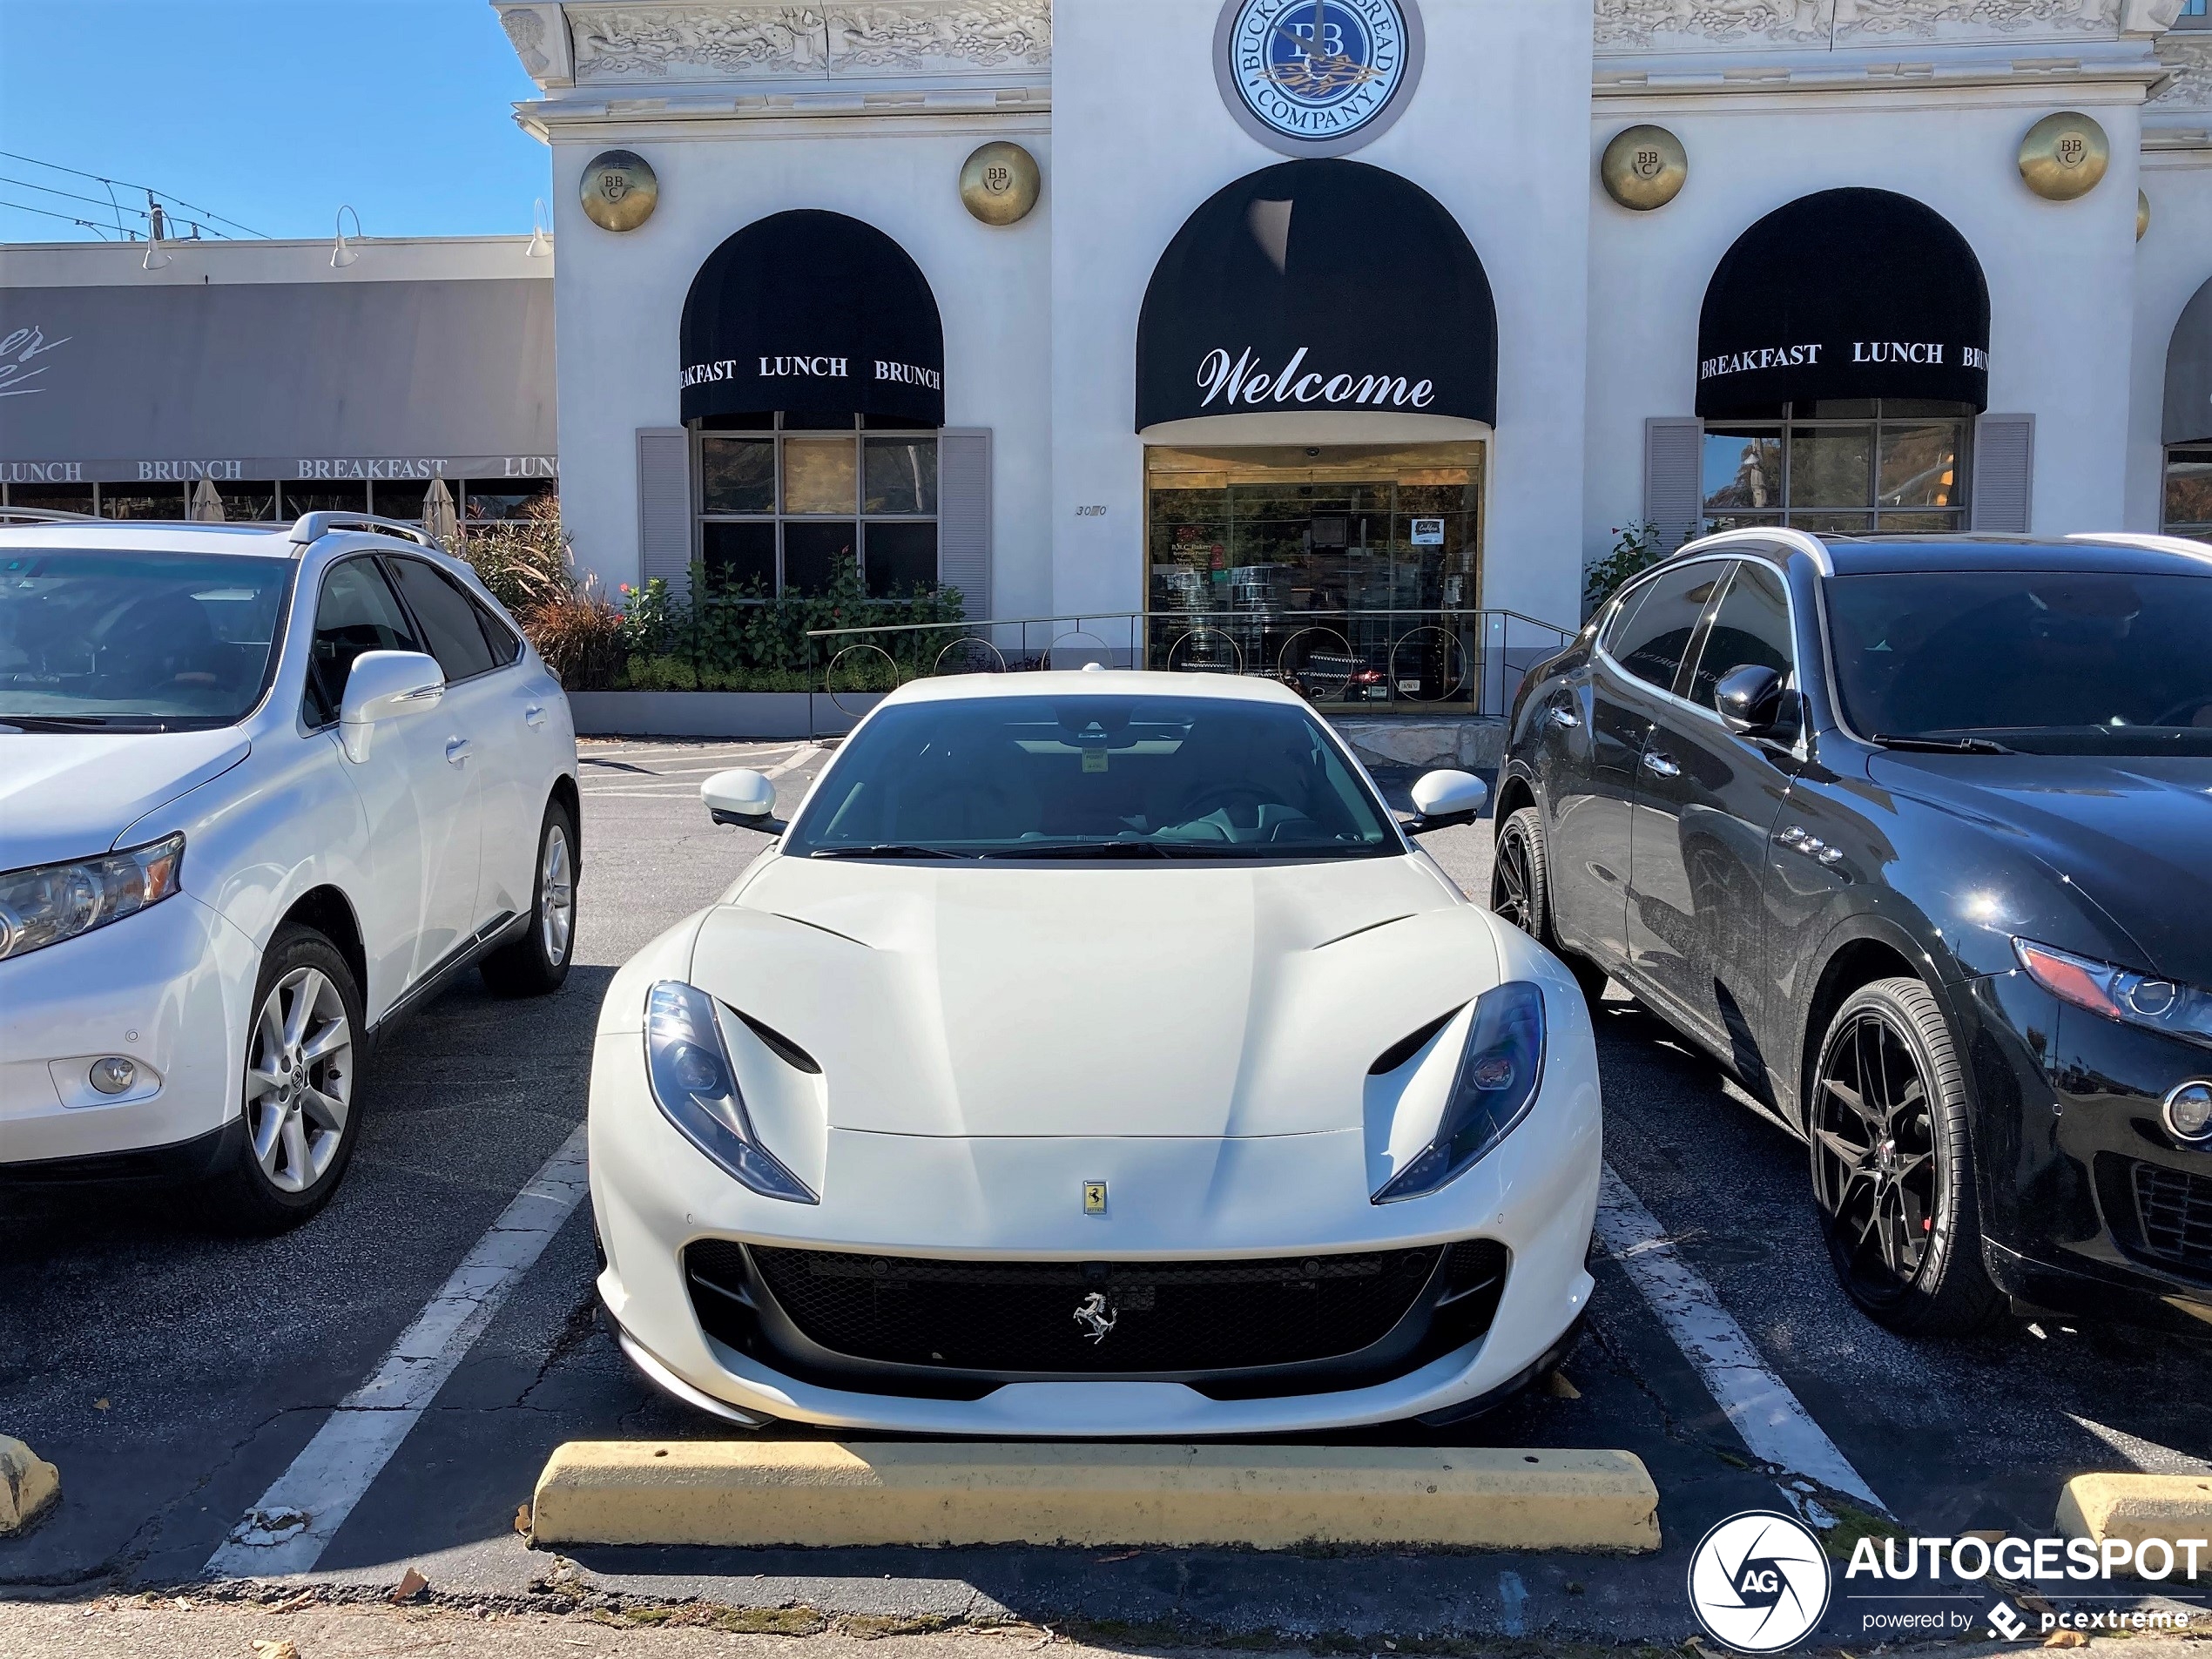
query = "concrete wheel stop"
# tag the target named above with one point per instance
(764, 1494)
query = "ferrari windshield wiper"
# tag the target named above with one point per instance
(1943, 746)
(885, 850)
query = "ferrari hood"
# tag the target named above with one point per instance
(1184, 1000)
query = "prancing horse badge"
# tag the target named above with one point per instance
(1094, 1197)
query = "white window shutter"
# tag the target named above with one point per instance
(2004, 463)
(1673, 498)
(664, 505)
(964, 516)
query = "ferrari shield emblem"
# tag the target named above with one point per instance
(1094, 1197)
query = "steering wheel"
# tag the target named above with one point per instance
(2189, 704)
(1222, 796)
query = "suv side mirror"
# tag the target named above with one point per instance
(1442, 798)
(1750, 700)
(743, 797)
(383, 685)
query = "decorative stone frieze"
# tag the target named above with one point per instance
(720, 41)
(2188, 54)
(1704, 25)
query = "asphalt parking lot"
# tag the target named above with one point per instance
(175, 1377)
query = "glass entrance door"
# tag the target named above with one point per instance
(1352, 573)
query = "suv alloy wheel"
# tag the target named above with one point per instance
(1892, 1167)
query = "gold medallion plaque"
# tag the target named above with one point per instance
(619, 190)
(999, 183)
(2064, 156)
(1644, 167)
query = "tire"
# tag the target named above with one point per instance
(1892, 1165)
(1521, 893)
(300, 1100)
(537, 961)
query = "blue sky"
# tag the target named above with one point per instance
(271, 112)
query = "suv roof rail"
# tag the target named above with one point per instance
(313, 527)
(2181, 544)
(46, 515)
(1798, 541)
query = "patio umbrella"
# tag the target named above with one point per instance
(207, 504)
(438, 515)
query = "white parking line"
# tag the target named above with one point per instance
(1773, 1424)
(297, 1517)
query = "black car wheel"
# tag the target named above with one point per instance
(1893, 1170)
(1520, 893)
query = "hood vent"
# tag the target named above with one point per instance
(1409, 1045)
(781, 1046)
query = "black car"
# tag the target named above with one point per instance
(1915, 836)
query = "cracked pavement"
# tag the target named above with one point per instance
(173, 1375)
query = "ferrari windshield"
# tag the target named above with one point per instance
(1092, 776)
(2049, 662)
(103, 639)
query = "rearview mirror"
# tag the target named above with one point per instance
(1442, 798)
(743, 797)
(383, 685)
(1750, 701)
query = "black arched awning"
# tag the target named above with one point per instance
(2189, 373)
(817, 314)
(1318, 286)
(1847, 293)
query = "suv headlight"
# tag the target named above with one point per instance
(2119, 993)
(1499, 1070)
(696, 1090)
(49, 903)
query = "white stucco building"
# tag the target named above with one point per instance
(1406, 420)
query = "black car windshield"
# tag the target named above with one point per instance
(1007, 778)
(106, 640)
(2047, 662)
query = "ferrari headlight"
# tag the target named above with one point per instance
(52, 902)
(696, 1087)
(2119, 993)
(1500, 1071)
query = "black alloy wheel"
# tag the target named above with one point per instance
(1517, 888)
(1521, 893)
(1892, 1168)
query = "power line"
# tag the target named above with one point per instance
(26, 207)
(206, 214)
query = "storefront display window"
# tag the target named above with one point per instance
(1840, 467)
(1352, 573)
(2188, 490)
(784, 511)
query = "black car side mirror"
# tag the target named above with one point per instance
(1752, 701)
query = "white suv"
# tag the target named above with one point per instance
(261, 790)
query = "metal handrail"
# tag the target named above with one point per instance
(976, 622)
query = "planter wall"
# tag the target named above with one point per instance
(1423, 741)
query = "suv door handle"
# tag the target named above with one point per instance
(1566, 717)
(458, 750)
(1656, 762)
(533, 715)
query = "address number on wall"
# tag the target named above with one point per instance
(1091, 512)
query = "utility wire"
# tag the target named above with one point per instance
(206, 214)
(26, 207)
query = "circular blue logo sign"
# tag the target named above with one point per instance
(1317, 77)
